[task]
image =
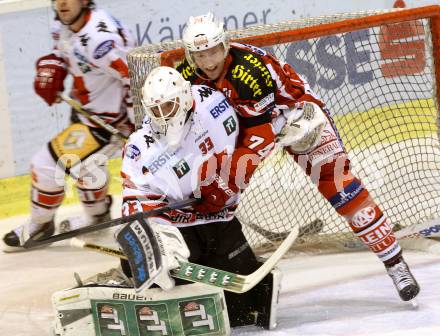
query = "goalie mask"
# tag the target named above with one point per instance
(167, 100)
(201, 33)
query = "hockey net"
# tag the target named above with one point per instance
(378, 73)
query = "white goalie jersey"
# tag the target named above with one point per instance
(154, 174)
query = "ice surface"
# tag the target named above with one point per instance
(339, 294)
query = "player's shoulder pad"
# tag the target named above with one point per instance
(103, 34)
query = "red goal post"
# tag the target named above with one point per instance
(379, 73)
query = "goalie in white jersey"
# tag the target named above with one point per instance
(184, 130)
(91, 46)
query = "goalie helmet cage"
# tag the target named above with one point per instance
(378, 73)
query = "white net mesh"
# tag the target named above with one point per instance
(378, 83)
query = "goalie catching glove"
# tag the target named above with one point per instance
(153, 250)
(303, 128)
(49, 81)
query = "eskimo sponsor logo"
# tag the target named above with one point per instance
(346, 195)
(160, 161)
(103, 49)
(364, 217)
(264, 102)
(219, 108)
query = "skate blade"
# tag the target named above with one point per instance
(414, 303)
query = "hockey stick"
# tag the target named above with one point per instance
(427, 229)
(31, 243)
(211, 276)
(94, 118)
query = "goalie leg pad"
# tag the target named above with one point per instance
(188, 309)
(257, 306)
(268, 294)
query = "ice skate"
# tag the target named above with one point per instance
(14, 240)
(405, 283)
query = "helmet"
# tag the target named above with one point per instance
(203, 32)
(167, 99)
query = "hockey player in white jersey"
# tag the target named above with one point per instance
(91, 46)
(186, 129)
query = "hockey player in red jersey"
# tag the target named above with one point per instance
(268, 92)
(91, 46)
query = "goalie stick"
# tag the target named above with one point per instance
(31, 243)
(94, 118)
(211, 276)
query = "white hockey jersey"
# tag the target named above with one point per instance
(155, 175)
(96, 58)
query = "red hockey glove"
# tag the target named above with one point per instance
(214, 190)
(49, 81)
(214, 196)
